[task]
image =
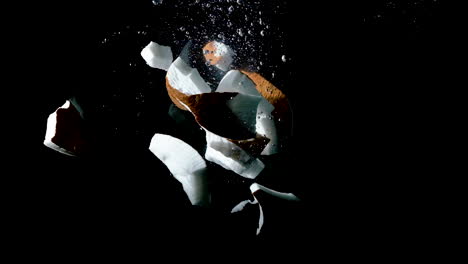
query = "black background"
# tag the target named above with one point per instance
(355, 88)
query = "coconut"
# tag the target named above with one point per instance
(185, 164)
(157, 56)
(240, 118)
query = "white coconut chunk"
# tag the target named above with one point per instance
(157, 56)
(236, 82)
(185, 164)
(186, 79)
(266, 127)
(231, 157)
(51, 131)
(244, 107)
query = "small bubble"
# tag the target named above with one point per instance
(182, 29)
(262, 33)
(283, 58)
(229, 24)
(239, 2)
(249, 32)
(261, 63)
(157, 2)
(207, 63)
(220, 36)
(239, 31)
(230, 9)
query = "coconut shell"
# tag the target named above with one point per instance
(176, 96)
(282, 112)
(271, 93)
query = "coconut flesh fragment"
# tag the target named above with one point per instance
(186, 79)
(218, 54)
(254, 189)
(232, 157)
(185, 164)
(64, 131)
(157, 56)
(236, 82)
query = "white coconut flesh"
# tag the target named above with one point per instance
(254, 188)
(157, 56)
(185, 164)
(266, 126)
(232, 157)
(186, 79)
(236, 82)
(51, 131)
